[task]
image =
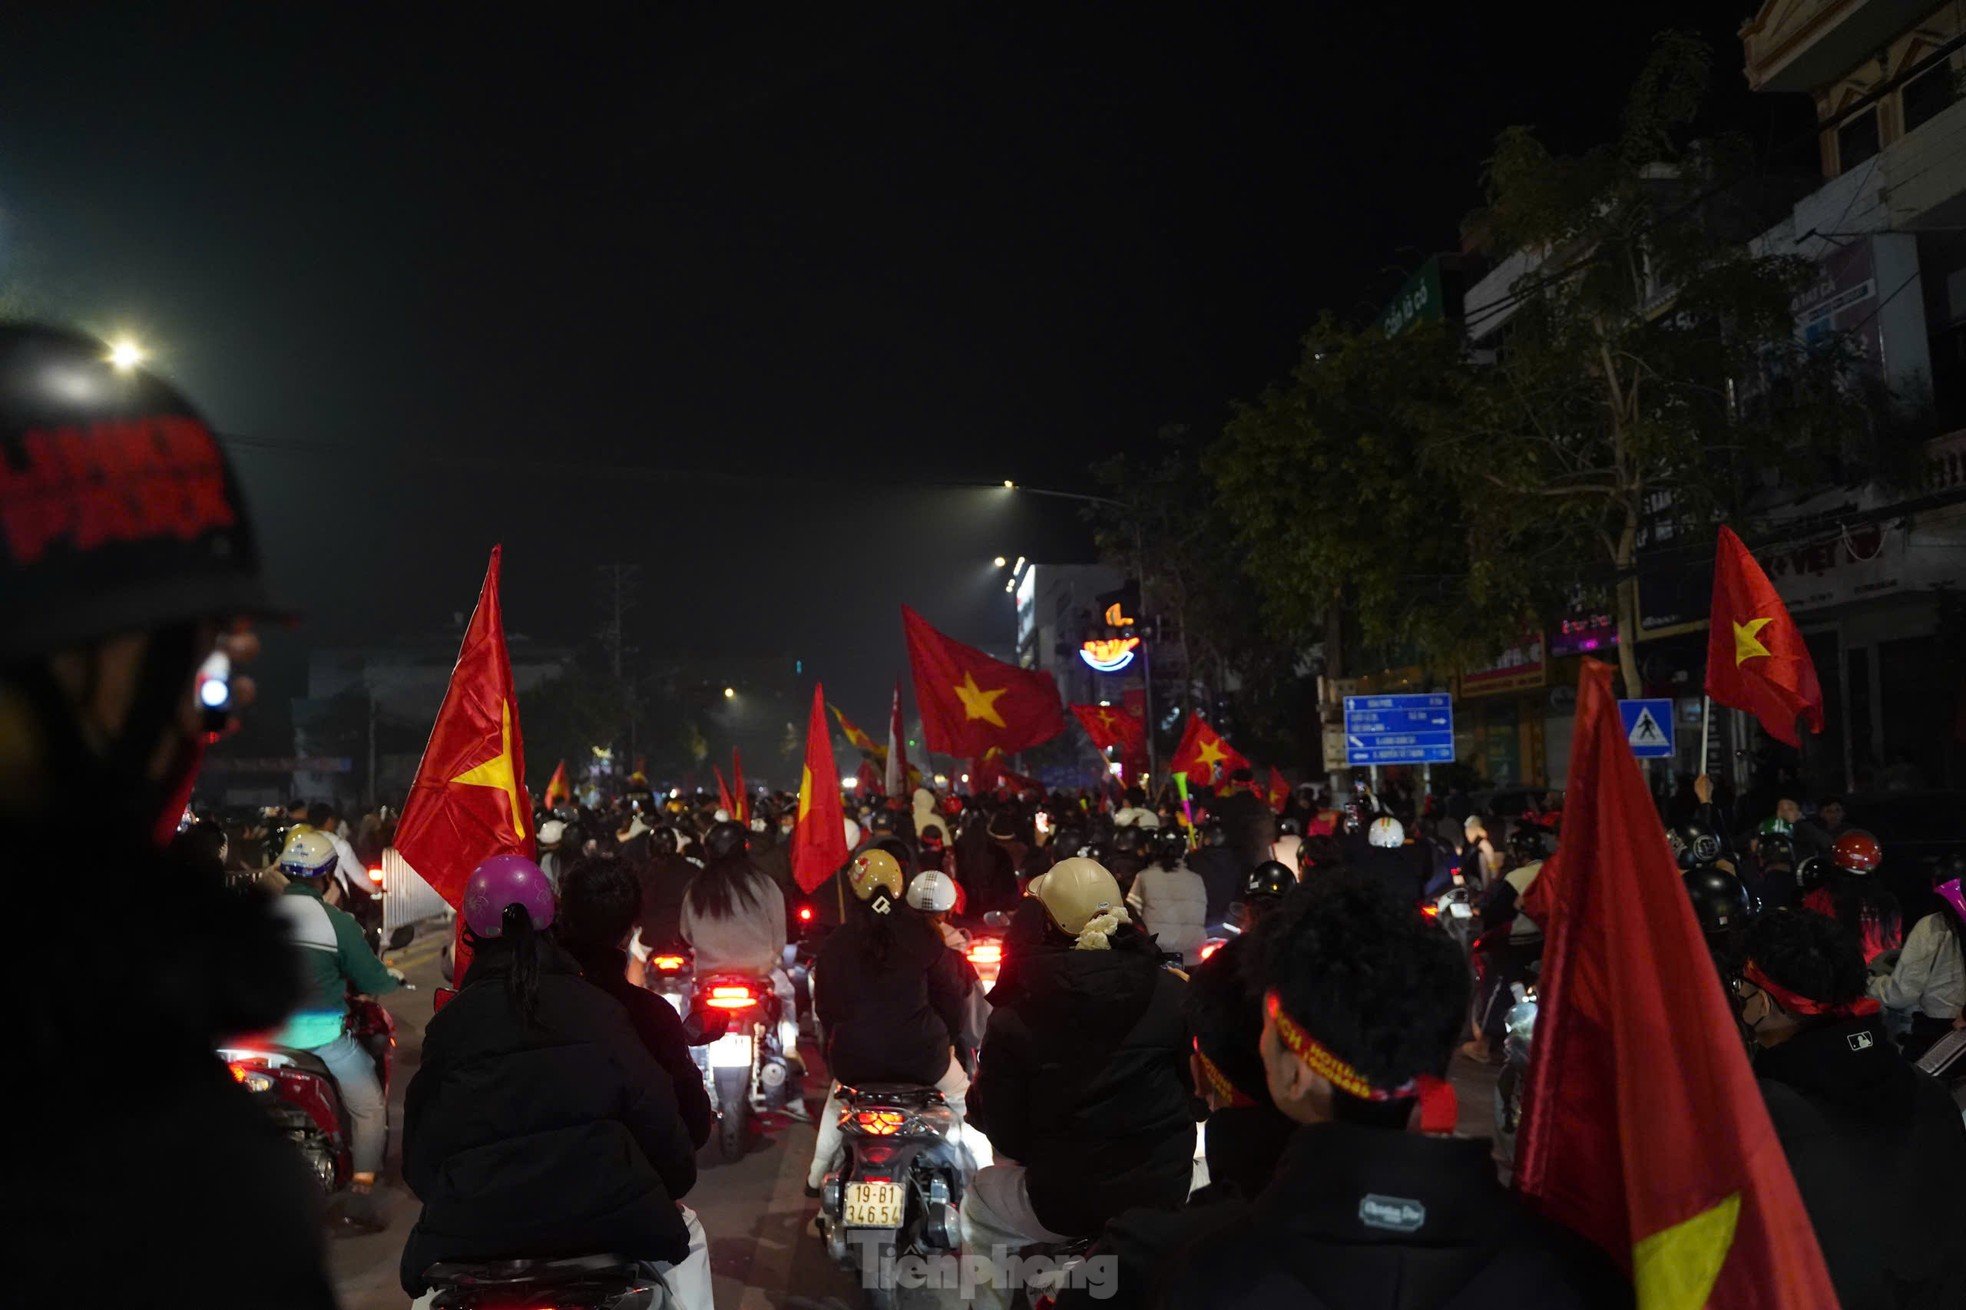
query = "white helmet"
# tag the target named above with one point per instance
(309, 854)
(551, 833)
(852, 834)
(932, 891)
(1386, 833)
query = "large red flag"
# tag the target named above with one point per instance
(819, 833)
(1203, 750)
(895, 776)
(971, 702)
(1756, 658)
(1644, 1129)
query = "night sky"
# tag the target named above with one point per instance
(718, 288)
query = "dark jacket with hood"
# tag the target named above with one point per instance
(1373, 1219)
(1083, 1079)
(555, 1138)
(1878, 1152)
(893, 1020)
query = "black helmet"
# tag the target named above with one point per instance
(1170, 845)
(662, 838)
(1290, 826)
(1695, 844)
(1813, 872)
(1128, 840)
(724, 840)
(1269, 879)
(1526, 843)
(1720, 900)
(1214, 834)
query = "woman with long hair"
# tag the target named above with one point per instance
(538, 1124)
(734, 919)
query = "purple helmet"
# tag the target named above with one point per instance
(501, 881)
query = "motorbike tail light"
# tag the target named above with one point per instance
(986, 953)
(375, 876)
(251, 1078)
(880, 1123)
(805, 914)
(1431, 911)
(1209, 948)
(667, 963)
(731, 997)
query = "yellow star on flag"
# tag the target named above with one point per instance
(1747, 641)
(497, 771)
(805, 793)
(978, 703)
(1210, 752)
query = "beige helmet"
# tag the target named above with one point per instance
(873, 870)
(1082, 899)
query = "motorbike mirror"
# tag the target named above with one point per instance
(996, 919)
(701, 1027)
(404, 934)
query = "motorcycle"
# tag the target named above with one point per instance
(744, 1070)
(899, 1190)
(1454, 910)
(301, 1096)
(588, 1282)
(668, 972)
(1511, 1085)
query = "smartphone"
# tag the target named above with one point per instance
(214, 690)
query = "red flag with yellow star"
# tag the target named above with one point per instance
(970, 702)
(1110, 726)
(1203, 751)
(819, 833)
(558, 790)
(1643, 1129)
(1756, 658)
(1277, 793)
(468, 802)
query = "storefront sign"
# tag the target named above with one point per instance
(1520, 668)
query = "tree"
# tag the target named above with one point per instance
(1651, 371)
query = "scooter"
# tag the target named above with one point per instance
(668, 972)
(899, 1190)
(1512, 1084)
(1454, 910)
(587, 1282)
(296, 1089)
(744, 1070)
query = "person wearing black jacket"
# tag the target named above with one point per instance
(1876, 1145)
(1245, 1138)
(1247, 819)
(1082, 1084)
(1221, 868)
(598, 905)
(538, 1125)
(664, 877)
(889, 998)
(1373, 1204)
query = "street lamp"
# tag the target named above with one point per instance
(999, 561)
(125, 354)
(730, 693)
(1008, 485)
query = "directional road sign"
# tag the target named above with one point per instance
(1648, 727)
(1412, 729)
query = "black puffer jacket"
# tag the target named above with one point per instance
(1372, 1219)
(1222, 872)
(1878, 1152)
(1083, 1079)
(664, 876)
(661, 1029)
(556, 1139)
(893, 1021)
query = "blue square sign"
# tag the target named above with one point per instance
(1648, 727)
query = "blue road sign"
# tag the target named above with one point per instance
(1411, 729)
(1648, 727)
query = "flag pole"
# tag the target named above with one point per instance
(1706, 728)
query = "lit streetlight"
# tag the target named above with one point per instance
(125, 354)
(999, 561)
(730, 693)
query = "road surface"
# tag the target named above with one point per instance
(763, 1251)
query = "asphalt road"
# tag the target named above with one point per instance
(763, 1251)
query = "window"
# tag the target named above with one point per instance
(1928, 93)
(1856, 140)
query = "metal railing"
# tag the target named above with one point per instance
(406, 897)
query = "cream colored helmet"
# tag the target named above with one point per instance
(1083, 899)
(875, 870)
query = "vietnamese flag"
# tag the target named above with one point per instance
(1277, 793)
(971, 702)
(724, 802)
(1756, 658)
(1109, 727)
(819, 833)
(1644, 1129)
(1202, 749)
(558, 790)
(856, 735)
(895, 776)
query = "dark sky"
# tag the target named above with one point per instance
(710, 287)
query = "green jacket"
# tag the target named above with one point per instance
(337, 957)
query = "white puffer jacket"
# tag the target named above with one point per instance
(1172, 904)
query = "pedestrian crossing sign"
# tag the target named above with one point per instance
(1648, 727)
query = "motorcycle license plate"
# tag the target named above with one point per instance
(731, 1051)
(873, 1205)
(1461, 910)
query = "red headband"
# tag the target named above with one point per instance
(1438, 1110)
(1218, 1082)
(1795, 1004)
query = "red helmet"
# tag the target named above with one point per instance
(1856, 851)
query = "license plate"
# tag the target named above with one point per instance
(1461, 910)
(873, 1205)
(731, 1051)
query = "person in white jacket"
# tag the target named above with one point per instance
(1170, 899)
(1924, 991)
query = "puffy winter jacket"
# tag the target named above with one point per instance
(1173, 907)
(894, 1021)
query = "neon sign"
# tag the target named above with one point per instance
(1108, 654)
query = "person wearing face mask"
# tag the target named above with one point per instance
(129, 567)
(1876, 1145)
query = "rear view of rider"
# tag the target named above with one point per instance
(889, 995)
(1082, 1085)
(1170, 899)
(127, 556)
(1851, 894)
(538, 1125)
(734, 917)
(338, 960)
